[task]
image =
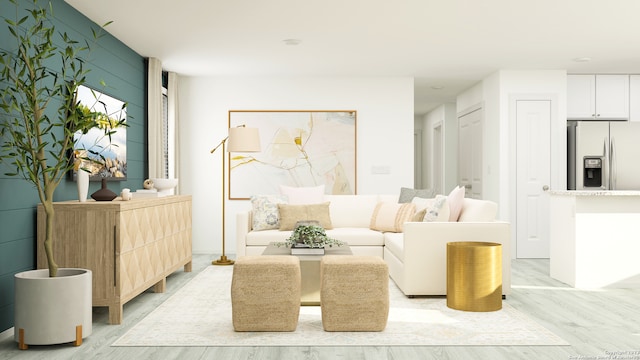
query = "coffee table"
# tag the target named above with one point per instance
(309, 270)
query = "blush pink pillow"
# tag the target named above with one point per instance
(455, 199)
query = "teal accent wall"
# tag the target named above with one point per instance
(123, 70)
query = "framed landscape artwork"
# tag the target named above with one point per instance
(110, 153)
(300, 148)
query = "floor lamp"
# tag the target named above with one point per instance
(240, 139)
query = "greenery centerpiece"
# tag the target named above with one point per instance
(41, 115)
(309, 234)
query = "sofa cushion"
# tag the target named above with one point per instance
(264, 211)
(478, 210)
(391, 216)
(394, 243)
(291, 214)
(388, 198)
(455, 200)
(263, 238)
(407, 194)
(303, 195)
(357, 236)
(351, 210)
(436, 209)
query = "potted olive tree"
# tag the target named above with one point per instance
(39, 117)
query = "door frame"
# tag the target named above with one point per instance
(418, 165)
(557, 143)
(437, 158)
(480, 108)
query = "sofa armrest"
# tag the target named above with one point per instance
(425, 245)
(243, 226)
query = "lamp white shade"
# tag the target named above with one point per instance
(243, 139)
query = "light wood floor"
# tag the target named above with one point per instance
(595, 323)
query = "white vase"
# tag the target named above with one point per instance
(53, 310)
(83, 185)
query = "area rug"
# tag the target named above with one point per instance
(199, 314)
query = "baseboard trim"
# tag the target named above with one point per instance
(6, 334)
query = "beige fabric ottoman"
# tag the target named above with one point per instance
(265, 293)
(354, 293)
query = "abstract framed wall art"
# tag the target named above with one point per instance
(108, 152)
(300, 148)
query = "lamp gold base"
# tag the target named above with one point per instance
(223, 261)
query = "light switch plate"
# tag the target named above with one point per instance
(381, 169)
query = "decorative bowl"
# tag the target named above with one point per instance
(164, 186)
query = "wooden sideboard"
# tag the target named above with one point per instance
(129, 246)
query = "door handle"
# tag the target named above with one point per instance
(545, 188)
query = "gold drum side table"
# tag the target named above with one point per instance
(474, 276)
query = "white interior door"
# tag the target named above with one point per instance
(470, 132)
(465, 168)
(533, 175)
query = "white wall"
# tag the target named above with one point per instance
(385, 126)
(495, 136)
(493, 94)
(469, 98)
(445, 116)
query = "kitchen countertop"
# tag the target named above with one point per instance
(595, 192)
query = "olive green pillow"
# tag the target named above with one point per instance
(291, 214)
(407, 194)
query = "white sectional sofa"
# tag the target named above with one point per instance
(350, 217)
(416, 256)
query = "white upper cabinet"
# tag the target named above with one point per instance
(634, 98)
(598, 97)
(581, 96)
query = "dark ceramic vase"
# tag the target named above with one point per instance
(104, 194)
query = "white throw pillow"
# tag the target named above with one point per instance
(436, 209)
(455, 200)
(303, 195)
(265, 214)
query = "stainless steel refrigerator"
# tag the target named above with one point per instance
(603, 155)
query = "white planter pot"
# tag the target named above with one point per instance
(51, 310)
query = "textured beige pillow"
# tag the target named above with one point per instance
(291, 214)
(391, 216)
(419, 215)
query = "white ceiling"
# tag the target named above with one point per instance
(441, 43)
